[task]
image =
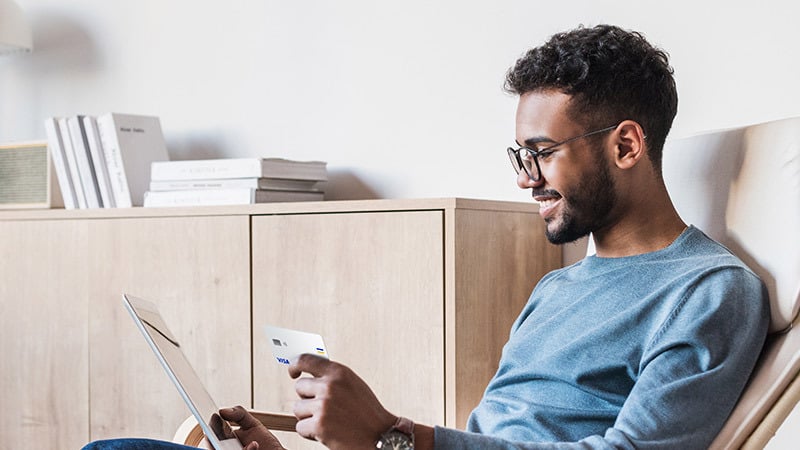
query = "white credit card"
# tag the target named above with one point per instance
(288, 344)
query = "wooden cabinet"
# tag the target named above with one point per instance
(74, 366)
(417, 296)
(197, 269)
(417, 302)
(372, 284)
(44, 363)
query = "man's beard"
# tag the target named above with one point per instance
(585, 209)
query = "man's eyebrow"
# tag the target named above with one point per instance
(532, 141)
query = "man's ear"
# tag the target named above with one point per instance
(630, 145)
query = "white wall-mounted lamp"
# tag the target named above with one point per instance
(15, 32)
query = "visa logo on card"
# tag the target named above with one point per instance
(289, 344)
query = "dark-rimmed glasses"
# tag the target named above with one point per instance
(527, 159)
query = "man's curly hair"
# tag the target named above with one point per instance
(610, 73)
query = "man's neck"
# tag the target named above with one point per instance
(643, 227)
(636, 241)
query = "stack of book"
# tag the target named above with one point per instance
(103, 162)
(235, 181)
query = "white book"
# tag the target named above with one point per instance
(99, 161)
(84, 161)
(232, 196)
(130, 144)
(226, 183)
(56, 147)
(239, 168)
(72, 164)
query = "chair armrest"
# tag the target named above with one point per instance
(190, 433)
(277, 422)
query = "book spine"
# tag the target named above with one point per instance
(238, 168)
(56, 147)
(99, 161)
(226, 183)
(69, 152)
(206, 169)
(84, 161)
(173, 185)
(199, 197)
(116, 172)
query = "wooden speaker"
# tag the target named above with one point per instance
(27, 179)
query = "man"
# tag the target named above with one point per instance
(647, 344)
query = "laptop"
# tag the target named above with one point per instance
(169, 354)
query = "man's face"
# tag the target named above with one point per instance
(576, 190)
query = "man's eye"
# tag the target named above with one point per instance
(546, 154)
(526, 155)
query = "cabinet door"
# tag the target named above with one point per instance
(43, 369)
(197, 271)
(372, 284)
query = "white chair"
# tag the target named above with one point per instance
(742, 187)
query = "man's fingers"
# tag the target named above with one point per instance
(304, 409)
(239, 416)
(220, 427)
(308, 363)
(306, 428)
(310, 387)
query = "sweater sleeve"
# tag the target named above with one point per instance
(690, 377)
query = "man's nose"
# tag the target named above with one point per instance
(525, 182)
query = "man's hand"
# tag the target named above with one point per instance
(251, 433)
(336, 407)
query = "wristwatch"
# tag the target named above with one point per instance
(399, 437)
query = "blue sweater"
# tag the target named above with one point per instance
(648, 351)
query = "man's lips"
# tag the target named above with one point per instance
(548, 201)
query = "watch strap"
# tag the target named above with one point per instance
(405, 426)
(402, 426)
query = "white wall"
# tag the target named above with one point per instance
(403, 99)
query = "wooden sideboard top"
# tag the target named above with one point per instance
(331, 206)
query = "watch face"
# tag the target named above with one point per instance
(395, 440)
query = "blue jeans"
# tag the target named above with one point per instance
(135, 444)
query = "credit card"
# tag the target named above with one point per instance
(288, 344)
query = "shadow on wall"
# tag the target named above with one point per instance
(62, 50)
(61, 45)
(344, 185)
(197, 145)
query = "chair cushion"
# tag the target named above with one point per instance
(742, 187)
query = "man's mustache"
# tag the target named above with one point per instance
(544, 193)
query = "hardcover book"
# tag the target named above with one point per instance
(249, 183)
(232, 196)
(130, 144)
(56, 146)
(99, 161)
(84, 161)
(239, 168)
(72, 163)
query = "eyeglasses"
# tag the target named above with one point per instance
(527, 159)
